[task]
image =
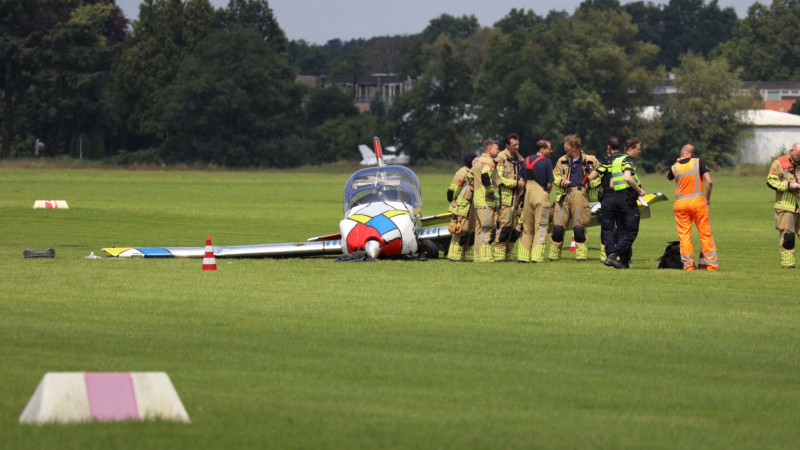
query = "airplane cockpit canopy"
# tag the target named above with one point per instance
(386, 183)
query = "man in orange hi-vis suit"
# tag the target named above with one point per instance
(692, 197)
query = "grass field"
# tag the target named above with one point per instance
(307, 353)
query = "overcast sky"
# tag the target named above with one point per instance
(318, 21)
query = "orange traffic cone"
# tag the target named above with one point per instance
(209, 261)
(572, 245)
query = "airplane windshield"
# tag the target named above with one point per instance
(377, 184)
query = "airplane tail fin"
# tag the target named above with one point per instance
(367, 157)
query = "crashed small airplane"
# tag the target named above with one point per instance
(382, 218)
(390, 156)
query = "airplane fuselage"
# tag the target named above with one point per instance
(393, 225)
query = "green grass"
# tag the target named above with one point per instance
(306, 353)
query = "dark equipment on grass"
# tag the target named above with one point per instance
(671, 259)
(48, 253)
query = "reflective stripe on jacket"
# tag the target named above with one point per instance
(484, 195)
(781, 173)
(687, 179)
(507, 171)
(618, 182)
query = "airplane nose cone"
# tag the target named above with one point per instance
(373, 249)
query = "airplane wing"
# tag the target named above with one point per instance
(643, 202)
(329, 244)
(236, 251)
(429, 221)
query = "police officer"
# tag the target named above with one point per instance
(619, 214)
(484, 201)
(537, 173)
(508, 162)
(459, 194)
(572, 199)
(783, 179)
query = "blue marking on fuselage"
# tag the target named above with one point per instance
(382, 223)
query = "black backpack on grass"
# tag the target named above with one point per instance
(671, 259)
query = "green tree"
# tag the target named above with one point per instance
(682, 26)
(706, 111)
(329, 103)
(691, 26)
(453, 28)
(432, 118)
(337, 139)
(160, 40)
(584, 74)
(308, 58)
(764, 44)
(520, 20)
(234, 102)
(258, 16)
(384, 54)
(647, 18)
(53, 59)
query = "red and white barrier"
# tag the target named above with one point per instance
(50, 204)
(65, 397)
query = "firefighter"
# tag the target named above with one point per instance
(484, 201)
(572, 198)
(508, 162)
(459, 194)
(619, 214)
(783, 179)
(537, 173)
(692, 198)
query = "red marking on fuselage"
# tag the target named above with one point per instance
(357, 238)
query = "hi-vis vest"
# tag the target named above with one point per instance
(687, 179)
(618, 182)
(618, 173)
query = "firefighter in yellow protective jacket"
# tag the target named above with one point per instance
(459, 194)
(484, 201)
(572, 198)
(783, 179)
(537, 172)
(508, 162)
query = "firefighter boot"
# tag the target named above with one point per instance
(555, 251)
(787, 259)
(500, 252)
(469, 254)
(455, 252)
(523, 255)
(581, 251)
(485, 253)
(537, 255)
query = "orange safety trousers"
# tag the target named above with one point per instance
(694, 210)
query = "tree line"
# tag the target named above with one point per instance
(188, 83)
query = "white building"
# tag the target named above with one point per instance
(773, 134)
